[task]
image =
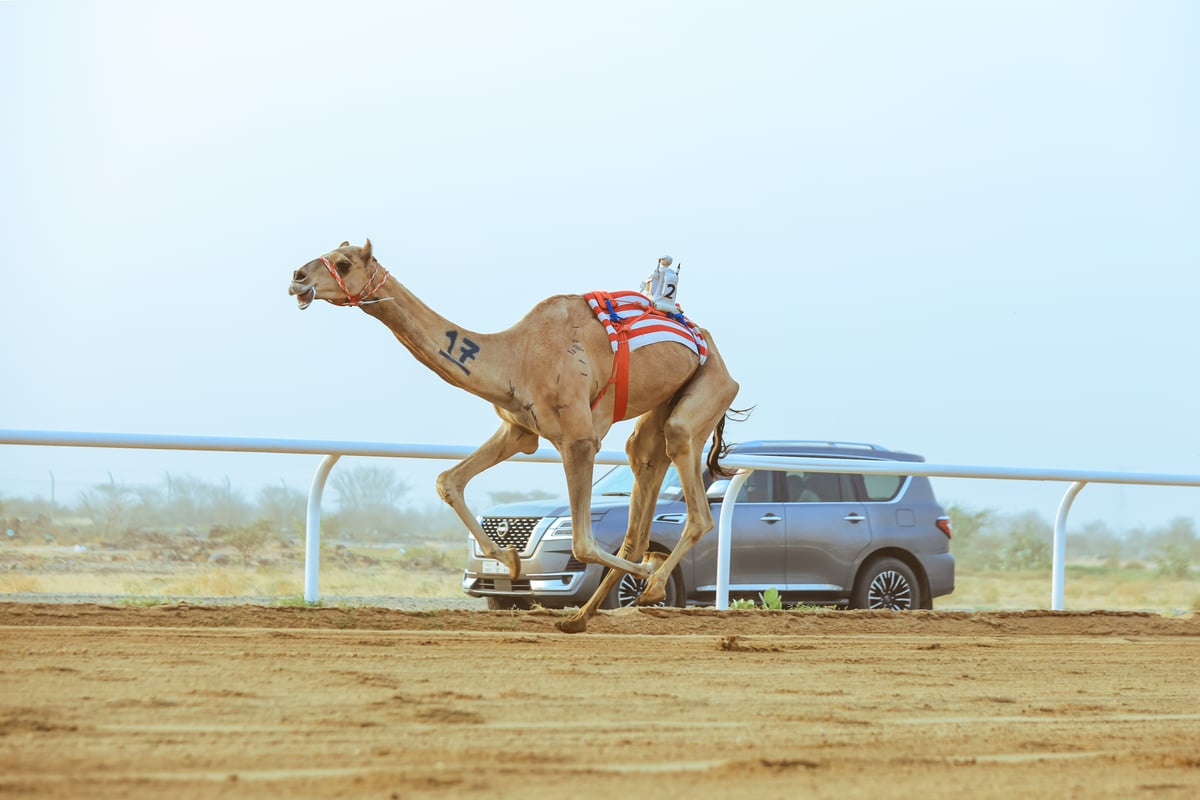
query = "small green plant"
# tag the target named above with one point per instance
(771, 600)
(297, 601)
(809, 607)
(742, 603)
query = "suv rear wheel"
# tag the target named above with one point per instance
(887, 584)
(626, 592)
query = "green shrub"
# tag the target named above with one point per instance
(248, 539)
(1174, 561)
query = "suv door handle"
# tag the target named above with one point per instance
(854, 517)
(771, 518)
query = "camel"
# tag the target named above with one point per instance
(543, 376)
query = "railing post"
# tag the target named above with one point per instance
(725, 536)
(312, 529)
(1058, 566)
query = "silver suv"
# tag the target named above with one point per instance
(863, 541)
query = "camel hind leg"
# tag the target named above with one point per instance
(698, 413)
(648, 459)
(503, 444)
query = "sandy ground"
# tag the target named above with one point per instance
(192, 701)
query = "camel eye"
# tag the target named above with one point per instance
(343, 267)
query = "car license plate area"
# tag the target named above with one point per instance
(493, 567)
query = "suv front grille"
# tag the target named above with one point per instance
(510, 531)
(490, 584)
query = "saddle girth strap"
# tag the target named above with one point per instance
(619, 377)
(631, 321)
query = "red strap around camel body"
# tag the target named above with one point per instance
(619, 377)
(632, 321)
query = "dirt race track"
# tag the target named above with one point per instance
(189, 701)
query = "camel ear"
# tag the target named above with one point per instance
(366, 252)
(344, 244)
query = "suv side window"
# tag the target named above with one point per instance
(757, 488)
(881, 488)
(815, 487)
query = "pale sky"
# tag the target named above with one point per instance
(968, 230)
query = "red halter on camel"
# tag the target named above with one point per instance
(367, 290)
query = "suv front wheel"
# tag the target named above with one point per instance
(887, 584)
(626, 592)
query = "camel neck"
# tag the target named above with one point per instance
(455, 353)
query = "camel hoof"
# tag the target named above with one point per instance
(652, 595)
(572, 625)
(509, 556)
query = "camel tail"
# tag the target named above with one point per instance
(719, 448)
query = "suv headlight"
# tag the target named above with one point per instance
(472, 544)
(560, 528)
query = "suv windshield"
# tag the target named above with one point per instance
(618, 482)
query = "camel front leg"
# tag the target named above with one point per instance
(649, 462)
(632, 551)
(451, 484)
(579, 458)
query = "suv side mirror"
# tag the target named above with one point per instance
(716, 490)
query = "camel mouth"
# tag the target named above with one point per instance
(304, 295)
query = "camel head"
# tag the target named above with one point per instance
(347, 276)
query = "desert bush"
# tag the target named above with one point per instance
(1028, 544)
(367, 498)
(109, 505)
(984, 540)
(284, 507)
(1175, 548)
(427, 556)
(248, 540)
(1173, 561)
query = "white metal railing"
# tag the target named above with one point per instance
(1078, 478)
(332, 450)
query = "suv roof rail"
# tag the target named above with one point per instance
(822, 442)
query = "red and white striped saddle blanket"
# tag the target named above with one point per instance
(632, 321)
(643, 323)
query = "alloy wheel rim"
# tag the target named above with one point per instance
(628, 590)
(890, 590)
